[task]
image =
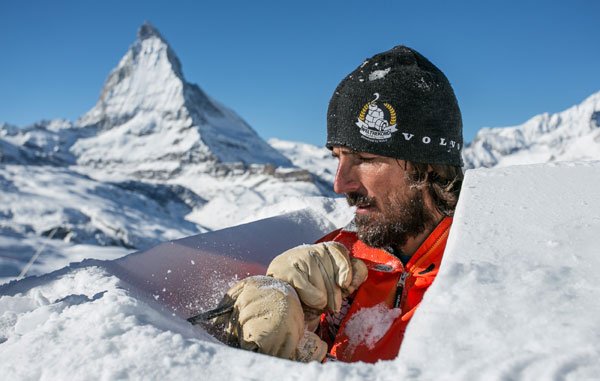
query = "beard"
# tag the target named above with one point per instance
(402, 217)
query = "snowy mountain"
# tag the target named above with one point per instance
(152, 124)
(44, 143)
(317, 160)
(573, 134)
(155, 159)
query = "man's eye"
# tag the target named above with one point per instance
(366, 159)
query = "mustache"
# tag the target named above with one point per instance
(357, 199)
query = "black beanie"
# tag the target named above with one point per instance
(397, 104)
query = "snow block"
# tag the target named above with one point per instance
(517, 293)
(191, 274)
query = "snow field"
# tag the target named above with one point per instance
(516, 298)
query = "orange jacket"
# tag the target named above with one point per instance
(372, 322)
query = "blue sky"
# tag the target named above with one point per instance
(276, 63)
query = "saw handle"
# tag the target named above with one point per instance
(207, 316)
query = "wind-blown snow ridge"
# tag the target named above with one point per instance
(573, 134)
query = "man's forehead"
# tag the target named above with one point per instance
(350, 151)
(346, 150)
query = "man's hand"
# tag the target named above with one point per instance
(263, 314)
(322, 274)
(269, 314)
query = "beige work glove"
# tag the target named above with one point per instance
(264, 315)
(322, 274)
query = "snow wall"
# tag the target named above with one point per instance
(191, 274)
(517, 295)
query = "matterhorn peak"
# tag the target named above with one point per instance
(148, 78)
(147, 112)
(148, 30)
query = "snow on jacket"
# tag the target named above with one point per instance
(372, 321)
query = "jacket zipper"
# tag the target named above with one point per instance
(402, 280)
(400, 289)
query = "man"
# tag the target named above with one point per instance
(395, 127)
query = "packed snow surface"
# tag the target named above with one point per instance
(516, 298)
(517, 294)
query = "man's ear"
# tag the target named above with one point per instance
(431, 173)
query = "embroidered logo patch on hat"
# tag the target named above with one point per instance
(377, 122)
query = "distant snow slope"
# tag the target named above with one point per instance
(44, 202)
(516, 298)
(317, 160)
(573, 134)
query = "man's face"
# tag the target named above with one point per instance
(389, 208)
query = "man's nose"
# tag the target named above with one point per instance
(345, 178)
